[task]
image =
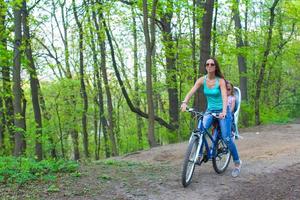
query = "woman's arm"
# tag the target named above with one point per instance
(198, 83)
(224, 96)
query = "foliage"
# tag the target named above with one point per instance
(51, 34)
(21, 170)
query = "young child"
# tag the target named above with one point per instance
(231, 104)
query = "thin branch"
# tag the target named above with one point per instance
(34, 5)
(130, 3)
(121, 83)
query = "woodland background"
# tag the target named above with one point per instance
(93, 79)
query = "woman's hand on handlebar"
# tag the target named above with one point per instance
(222, 115)
(183, 106)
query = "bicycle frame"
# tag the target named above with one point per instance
(203, 141)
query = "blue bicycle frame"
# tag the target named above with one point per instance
(201, 132)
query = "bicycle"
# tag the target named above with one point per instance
(199, 151)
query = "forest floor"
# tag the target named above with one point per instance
(271, 170)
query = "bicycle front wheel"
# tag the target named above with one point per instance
(222, 156)
(189, 161)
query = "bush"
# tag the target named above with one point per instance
(21, 170)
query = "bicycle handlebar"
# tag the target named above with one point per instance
(193, 111)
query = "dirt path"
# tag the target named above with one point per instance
(271, 170)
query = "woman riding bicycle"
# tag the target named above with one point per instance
(215, 91)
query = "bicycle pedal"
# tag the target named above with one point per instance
(199, 161)
(205, 158)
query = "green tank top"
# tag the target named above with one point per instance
(213, 95)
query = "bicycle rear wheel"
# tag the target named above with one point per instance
(222, 156)
(191, 157)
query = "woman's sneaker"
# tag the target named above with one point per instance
(236, 171)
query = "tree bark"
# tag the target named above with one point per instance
(17, 100)
(171, 72)
(205, 50)
(74, 135)
(241, 58)
(82, 83)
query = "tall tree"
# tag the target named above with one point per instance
(34, 82)
(240, 45)
(8, 112)
(264, 63)
(19, 120)
(3, 44)
(171, 73)
(214, 42)
(82, 83)
(102, 117)
(136, 79)
(2, 127)
(111, 117)
(205, 50)
(149, 40)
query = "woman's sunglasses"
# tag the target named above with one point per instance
(211, 64)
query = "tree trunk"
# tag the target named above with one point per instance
(2, 127)
(111, 120)
(139, 122)
(17, 100)
(215, 29)
(171, 72)
(240, 44)
(33, 84)
(61, 139)
(74, 135)
(99, 87)
(149, 47)
(194, 42)
(8, 111)
(82, 84)
(3, 61)
(95, 122)
(64, 37)
(264, 63)
(205, 38)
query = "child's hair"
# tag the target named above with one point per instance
(231, 85)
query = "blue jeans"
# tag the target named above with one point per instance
(225, 125)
